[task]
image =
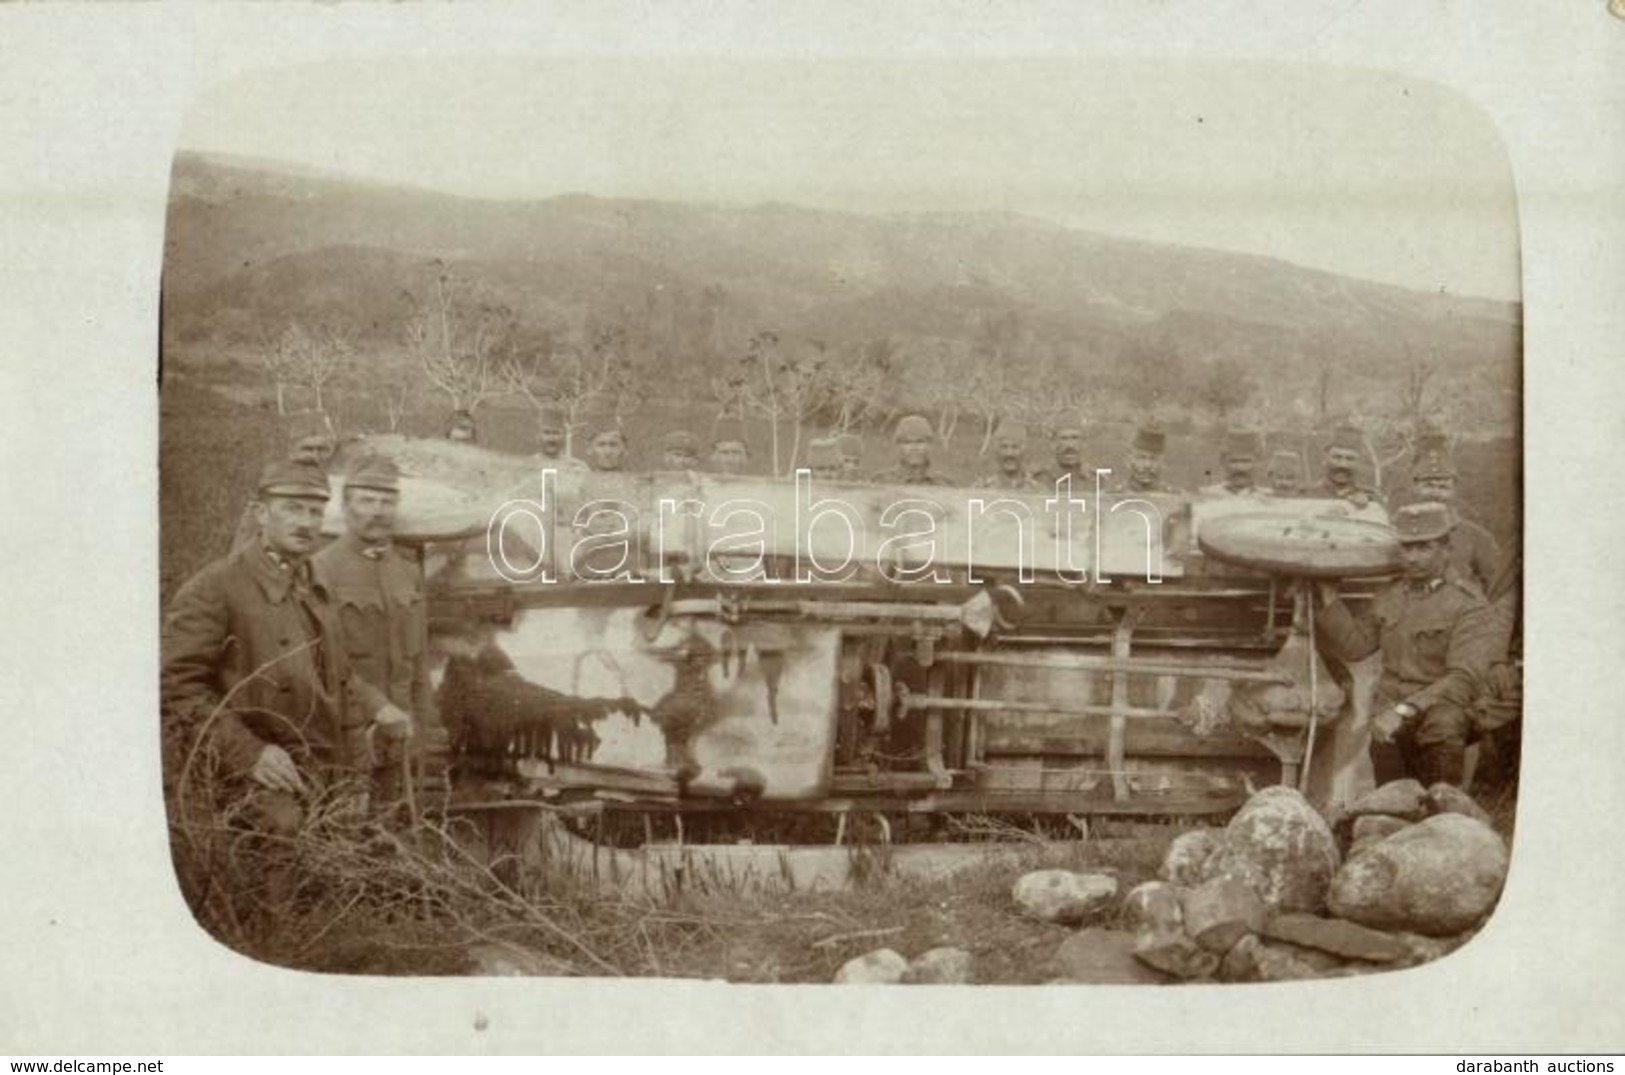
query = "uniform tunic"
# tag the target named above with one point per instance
(905, 476)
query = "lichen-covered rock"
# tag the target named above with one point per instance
(941, 966)
(1254, 959)
(1336, 936)
(1449, 799)
(1064, 896)
(1437, 877)
(1189, 859)
(1399, 798)
(1173, 952)
(1282, 848)
(1220, 912)
(1155, 905)
(880, 967)
(1376, 826)
(1420, 949)
(1103, 957)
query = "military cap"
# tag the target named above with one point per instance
(727, 429)
(1423, 521)
(1284, 462)
(307, 424)
(1434, 464)
(288, 478)
(1347, 436)
(1243, 444)
(1150, 438)
(680, 440)
(1012, 431)
(824, 453)
(850, 445)
(913, 427)
(551, 417)
(374, 472)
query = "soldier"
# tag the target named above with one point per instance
(824, 459)
(252, 664)
(913, 438)
(851, 451)
(1474, 552)
(551, 436)
(383, 617)
(310, 440)
(1286, 474)
(1342, 461)
(1068, 459)
(607, 450)
(1145, 463)
(1438, 637)
(729, 452)
(680, 450)
(1010, 446)
(1242, 447)
(460, 427)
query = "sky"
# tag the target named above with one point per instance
(1356, 172)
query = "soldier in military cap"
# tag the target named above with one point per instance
(383, 615)
(1145, 463)
(1474, 552)
(253, 666)
(1341, 468)
(1010, 446)
(824, 459)
(729, 452)
(850, 446)
(607, 449)
(460, 426)
(552, 435)
(1286, 474)
(310, 440)
(1438, 636)
(1239, 456)
(680, 450)
(913, 437)
(1068, 444)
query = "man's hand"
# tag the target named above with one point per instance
(394, 722)
(1385, 724)
(275, 770)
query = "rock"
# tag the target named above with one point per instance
(1420, 949)
(1256, 960)
(1449, 799)
(1437, 877)
(940, 966)
(1155, 905)
(1173, 952)
(507, 961)
(1335, 936)
(1063, 896)
(1282, 848)
(880, 967)
(1401, 798)
(1372, 827)
(1218, 913)
(1103, 957)
(1190, 857)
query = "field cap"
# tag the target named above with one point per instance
(1150, 438)
(1434, 464)
(1011, 431)
(288, 478)
(1284, 463)
(374, 472)
(1423, 522)
(1347, 436)
(727, 430)
(550, 417)
(913, 427)
(680, 440)
(1243, 444)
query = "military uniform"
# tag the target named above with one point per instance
(904, 476)
(1149, 441)
(1437, 638)
(1000, 480)
(1325, 490)
(912, 429)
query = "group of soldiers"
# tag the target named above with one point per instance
(298, 664)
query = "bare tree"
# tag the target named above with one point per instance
(786, 384)
(308, 358)
(597, 375)
(856, 382)
(460, 341)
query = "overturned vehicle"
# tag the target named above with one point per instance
(738, 649)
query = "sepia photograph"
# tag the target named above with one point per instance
(753, 529)
(979, 523)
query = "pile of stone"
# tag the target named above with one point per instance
(1273, 897)
(886, 966)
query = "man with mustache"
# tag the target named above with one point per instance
(383, 617)
(1342, 461)
(1068, 445)
(253, 671)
